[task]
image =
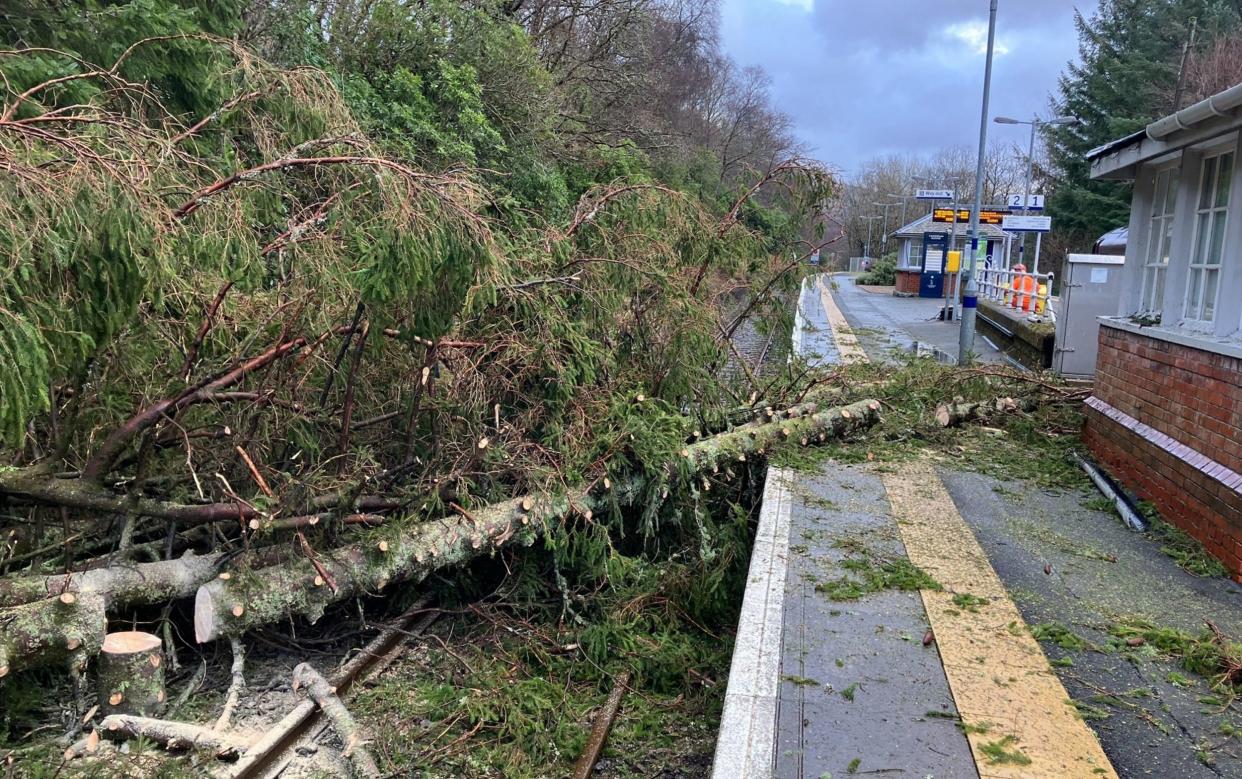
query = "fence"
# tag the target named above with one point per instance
(1029, 292)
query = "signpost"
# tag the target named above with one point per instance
(1027, 224)
(933, 194)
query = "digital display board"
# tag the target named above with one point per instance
(963, 216)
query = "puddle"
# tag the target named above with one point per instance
(920, 349)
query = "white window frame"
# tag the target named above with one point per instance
(1198, 313)
(913, 252)
(1156, 254)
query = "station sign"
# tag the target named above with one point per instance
(933, 194)
(1027, 224)
(986, 217)
(1033, 202)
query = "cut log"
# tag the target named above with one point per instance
(173, 735)
(352, 735)
(231, 607)
(141, 584)
(130, 674)
(66, 629)
(959, 413)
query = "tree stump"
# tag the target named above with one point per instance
(131, 674)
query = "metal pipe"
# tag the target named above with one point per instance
(1030, 169)
(1129, 514)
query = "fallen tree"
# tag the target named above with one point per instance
(228, 607)
(230, 600)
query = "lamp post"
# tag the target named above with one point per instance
(970, 297)
(1034, 122)
(904, 200)
(869, 219)
(884, 237)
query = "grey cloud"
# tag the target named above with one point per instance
(863, 79)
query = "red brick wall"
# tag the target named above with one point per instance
(1185, 451)
(908, 282)
(1189, 394)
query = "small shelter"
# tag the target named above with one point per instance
(910, 247)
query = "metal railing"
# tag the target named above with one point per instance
(1027, 292)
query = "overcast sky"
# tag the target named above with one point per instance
(866, 78)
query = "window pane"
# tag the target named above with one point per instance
(1209, 295)
(1218, 238)
(1153, 289)
(1202, 231)
(1223, 179)
(1168, 240)
(1161, 194)
(1192, 301)
(1171, 198)
(1205, 182)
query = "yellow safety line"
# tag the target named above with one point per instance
(847, 343)
(1016, 713)
(1012, 704)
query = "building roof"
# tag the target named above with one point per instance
(1219, 114)
(1113, 242)
(924, 224)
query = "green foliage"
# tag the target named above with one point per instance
(1205, 654)
(883, 272)
(874, 574)
(1056, 633)
(1003, 752)
(1186, 551)
(1129, 55)
(440, 117)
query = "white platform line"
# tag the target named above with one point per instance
(746, 746)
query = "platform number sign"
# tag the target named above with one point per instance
(1033, 202)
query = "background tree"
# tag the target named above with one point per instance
(1129, 58)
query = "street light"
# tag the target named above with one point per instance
(869, 219)
(1034, 122)
(904, 199)
(884, 241)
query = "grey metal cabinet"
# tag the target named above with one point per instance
(1091, 289)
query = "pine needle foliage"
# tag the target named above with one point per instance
(356, 322)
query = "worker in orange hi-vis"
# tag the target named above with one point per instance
(1023, 289)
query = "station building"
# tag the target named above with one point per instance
(1166, 410)
(910, 247)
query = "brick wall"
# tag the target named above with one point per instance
(1189, 394)
(1167, 420)
(908, 282)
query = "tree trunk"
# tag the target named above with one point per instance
(68, 628)
(45, 630)
(231, 607)
(353, 737)
(955, 414)
(131, 674)
(142, 584)
(173, 735)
